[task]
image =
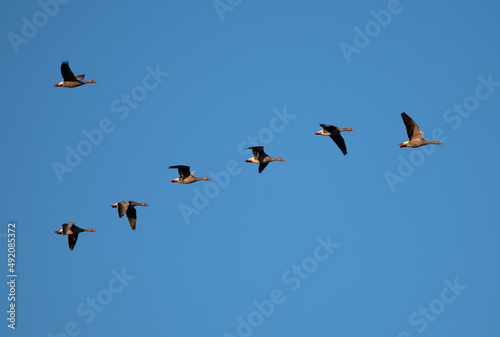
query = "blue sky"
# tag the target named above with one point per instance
(382, 242)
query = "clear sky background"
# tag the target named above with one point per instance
(382, 242)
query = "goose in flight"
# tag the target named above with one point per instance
(415, 135)
(128, 207)
(70, 80)
(72, 231)
(334, 133)
(186, 176)
(260, 157)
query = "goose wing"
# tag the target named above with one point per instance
(66, 72)
(340, 142)
(132, 217)
(336, 136)
(67, 227)
(328, 127)
(122, 208)
(184, 171)
(262, 166)
(72, 240)
(258, 152)
(412, 128)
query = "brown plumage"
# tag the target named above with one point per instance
(185, 175)
(260, 157)
(72, 231)
(70, 80)
(128, 207)
(334, 133)
(414, 134)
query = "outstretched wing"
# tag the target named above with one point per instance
(339, 140)
(66, 72)
(72, 240)
(67, 226)
(262, 166)
(335, 136)
(258, 152)
(184, 171)
(80, 77)
(122, 208)
(412, 128)
(132, 217)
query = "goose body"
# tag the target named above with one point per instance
(69, 79)
(260, 157)
(128, 207)
(185, 175)
(72, 231)
(334, 133)
(415, 135)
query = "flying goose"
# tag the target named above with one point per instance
(260, 157)
(70, 80)
(334, 133)
(127, 207)
(72, 231)
(414, 134)
(186, 176)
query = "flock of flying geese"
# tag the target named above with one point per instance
(415, 136)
